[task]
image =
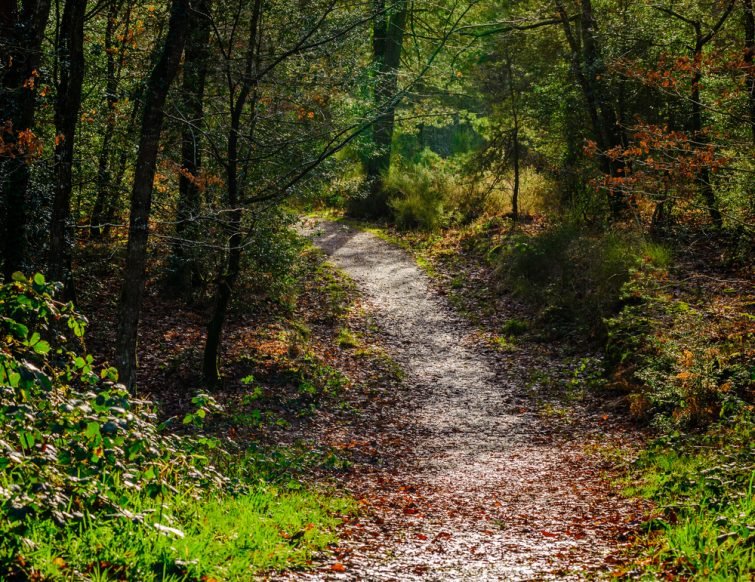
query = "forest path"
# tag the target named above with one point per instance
(466, 483)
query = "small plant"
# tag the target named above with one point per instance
(515, 327)
(347, 339)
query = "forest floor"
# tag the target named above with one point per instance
(471, 455)
(464, 469)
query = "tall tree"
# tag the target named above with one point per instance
(703, 34)
(70, 59)
(196, 60)
(132, 290)
(22, 26)
(388, 38)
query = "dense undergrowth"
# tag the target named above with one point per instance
(92, 485)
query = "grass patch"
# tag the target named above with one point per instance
(702, 485)
(347, 339)
(231, 538)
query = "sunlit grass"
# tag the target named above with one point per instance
(703, 488)
(230, 538)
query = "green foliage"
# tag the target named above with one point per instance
(514, 327)
(419, 193)
(703, 490)
(347, 339)
(573, 276)
(89, 483)
(680, 368)
(272, 258)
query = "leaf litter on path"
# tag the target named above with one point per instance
(463, 482)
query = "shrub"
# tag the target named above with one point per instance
(537, 194)
(572, 276)
(683, 364)
(90, 486)
(417, 199)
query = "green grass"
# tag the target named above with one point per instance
(703, 490)
(347, 339)
(230, 538)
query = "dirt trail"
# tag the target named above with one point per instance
(466, 483)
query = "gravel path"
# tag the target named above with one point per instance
(473, 487)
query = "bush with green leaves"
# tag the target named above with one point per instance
(91, 485)
(574, 277)
(72, 440)
(682, 363)
(418, 193)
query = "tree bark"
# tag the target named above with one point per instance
(388, 40)
(67, 107)
(21, 36)
(699, 136)
(105, 188)
(515, 153)
(231, 270)
(182, 267)
(749, 57)
(129, 308)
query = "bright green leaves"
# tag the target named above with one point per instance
(78, 326)
(39, 345)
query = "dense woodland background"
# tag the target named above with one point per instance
(593, 159)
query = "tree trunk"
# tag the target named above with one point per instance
(226, 284)
(699, 136)
(182, 266)
(749, 57)
(21, 36)
(159, 82)
(514, 138)
(104, 174)
(67, 106)
(388, 40)
(227, 279)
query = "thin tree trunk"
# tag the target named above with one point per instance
(227, 279)
(182, 267)
(514, 139)
(104, 174)
(129, 308)
(749, 57)
(700, 139)
(21, 35)
(67, 106)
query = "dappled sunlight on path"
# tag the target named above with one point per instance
(468, 484)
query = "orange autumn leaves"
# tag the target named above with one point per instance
(657, 157)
